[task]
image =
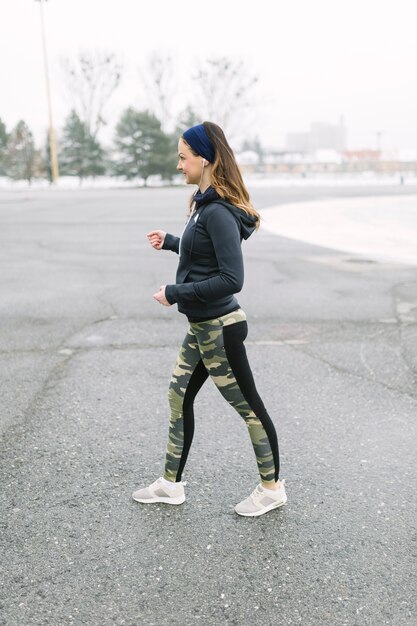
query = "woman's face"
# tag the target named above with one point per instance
(189, 164)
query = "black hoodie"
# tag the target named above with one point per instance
(210, 269)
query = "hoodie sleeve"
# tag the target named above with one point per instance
(171, 243)
(224, 232)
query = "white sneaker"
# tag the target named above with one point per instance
(158, 492)
(262, 500)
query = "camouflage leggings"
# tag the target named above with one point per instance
(215, 348)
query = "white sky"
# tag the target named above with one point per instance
(316, 59)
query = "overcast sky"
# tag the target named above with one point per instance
(316, 59)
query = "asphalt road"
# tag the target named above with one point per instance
(85, 361)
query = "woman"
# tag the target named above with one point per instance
(210, 272)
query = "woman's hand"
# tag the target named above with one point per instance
(156, 238)
(160, 296)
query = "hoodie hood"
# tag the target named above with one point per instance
(246, 222)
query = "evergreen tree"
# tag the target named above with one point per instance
(3, 146)
(21, 159)
(81, 155)
(143, 149)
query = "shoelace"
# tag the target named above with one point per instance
(256, 494)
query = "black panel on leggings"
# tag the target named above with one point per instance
(196, 381)
(233, 336)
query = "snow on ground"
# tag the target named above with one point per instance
(380, 227)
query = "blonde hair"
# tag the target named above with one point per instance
(226, 178)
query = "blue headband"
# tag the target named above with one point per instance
(197, 138)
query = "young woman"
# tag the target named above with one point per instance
(210, 272)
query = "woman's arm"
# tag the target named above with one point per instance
(161, 240)
(224, 232)
(171, 242)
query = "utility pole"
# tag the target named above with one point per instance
(378, 140)
(52, 145)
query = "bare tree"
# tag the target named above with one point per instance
(224, 93)
(158, 76)
(92, 80)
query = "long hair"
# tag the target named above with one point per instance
(226, 178)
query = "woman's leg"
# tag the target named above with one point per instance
(224, 356)
(188, 377)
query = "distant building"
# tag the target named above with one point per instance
(249, 157)
(322, 150)
(321, 136)
(330, 162)
(298, 142)
(328, 136)
(362, 155)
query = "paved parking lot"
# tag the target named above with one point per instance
(85, 360)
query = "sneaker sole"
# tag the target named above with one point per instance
(270, 507)
(178, 500)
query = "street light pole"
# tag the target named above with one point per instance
(52, 146)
